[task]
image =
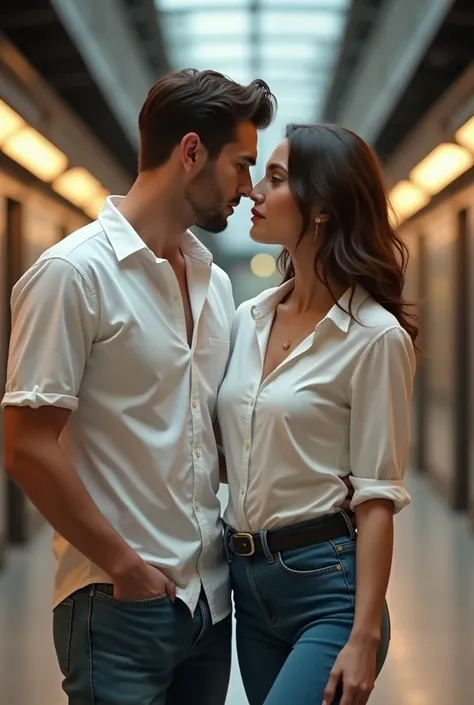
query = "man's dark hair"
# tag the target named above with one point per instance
(205, 102)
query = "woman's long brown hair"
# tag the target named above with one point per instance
(333, 170)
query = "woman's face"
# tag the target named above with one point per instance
(275, 216)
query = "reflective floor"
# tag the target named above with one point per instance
(431, 599)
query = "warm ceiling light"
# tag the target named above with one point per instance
(263, 265)
(442, 166)
(35, 153)
(10, 121)
(93, 207)
(406, 199)
(77, 186)
(465, 134)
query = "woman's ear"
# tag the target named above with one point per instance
(321, 214)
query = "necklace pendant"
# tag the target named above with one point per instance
(287, 344)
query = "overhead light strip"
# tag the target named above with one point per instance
(445, 163)
(30, 149)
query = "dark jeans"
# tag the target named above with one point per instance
(151, 652)
(295, 612)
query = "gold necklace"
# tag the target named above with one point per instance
(287, 343)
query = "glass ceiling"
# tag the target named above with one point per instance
(292, 45)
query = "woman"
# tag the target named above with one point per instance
(318, 388)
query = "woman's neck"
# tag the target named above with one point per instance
(309, 292)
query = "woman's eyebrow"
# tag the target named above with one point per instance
(276, 165)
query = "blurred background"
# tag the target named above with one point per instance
(73, 76)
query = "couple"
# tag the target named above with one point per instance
(130, 376)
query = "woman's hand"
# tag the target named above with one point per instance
(354, 669)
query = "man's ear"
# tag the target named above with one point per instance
(193, 154)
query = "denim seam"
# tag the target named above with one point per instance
(205, 621)
(270, 621)
(344, 574)
(137, 604)
(306, 573)
(67, 641)
(89, 620)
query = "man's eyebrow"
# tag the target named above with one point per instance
(251, 160)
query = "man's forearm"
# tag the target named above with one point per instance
(374, 560)
(48, 479)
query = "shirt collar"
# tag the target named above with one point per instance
(126, 241)
(268, 300)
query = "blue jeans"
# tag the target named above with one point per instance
(295, 612)
(151, 652)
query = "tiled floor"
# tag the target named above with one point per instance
(431, 598)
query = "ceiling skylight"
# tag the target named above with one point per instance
(293, 46)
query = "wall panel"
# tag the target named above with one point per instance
(439, 338)
(4, 308)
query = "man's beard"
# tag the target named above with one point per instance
(207, 201)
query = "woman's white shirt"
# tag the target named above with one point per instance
(339, 404)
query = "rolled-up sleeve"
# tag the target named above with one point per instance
(54, 319)
(381, 393)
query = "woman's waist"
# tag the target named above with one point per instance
(328, 527)
(269, 504)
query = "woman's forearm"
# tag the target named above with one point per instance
(373, 564)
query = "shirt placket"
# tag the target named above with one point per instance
(262, 329)
(198, 284)
(199, 465)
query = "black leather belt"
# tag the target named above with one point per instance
(295, 536)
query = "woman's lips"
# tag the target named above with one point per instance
(256, 216)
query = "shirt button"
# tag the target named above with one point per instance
(194, 404)
(252, 402)
(198, 453)
(247, 444)
(242, 492)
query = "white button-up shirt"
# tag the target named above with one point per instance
(339, 404)
(99, 328)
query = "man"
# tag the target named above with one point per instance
(120, 337)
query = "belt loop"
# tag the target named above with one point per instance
(348, 521)
(266, 550)
(226, 543)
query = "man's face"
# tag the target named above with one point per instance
(217, 189)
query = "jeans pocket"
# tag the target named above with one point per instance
(62, 633)
(309, 561)
(105, 597)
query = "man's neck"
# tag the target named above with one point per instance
(156, 213)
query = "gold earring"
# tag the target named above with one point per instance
(317, 220)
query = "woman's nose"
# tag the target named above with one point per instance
(256, 196)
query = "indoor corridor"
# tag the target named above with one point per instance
(431, 601)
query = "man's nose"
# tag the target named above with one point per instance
(246, 188)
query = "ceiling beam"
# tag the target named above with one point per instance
(110, 50)
(231, 7)
(395, 49)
